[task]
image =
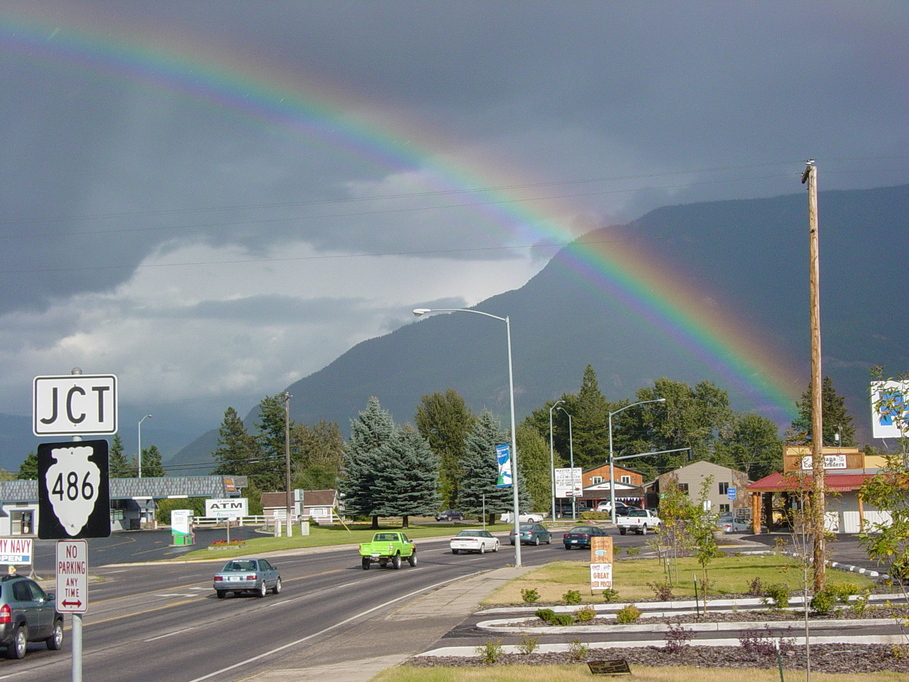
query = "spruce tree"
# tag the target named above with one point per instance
(835, 419)
(151, 463)
(372, 430)
(236, 448)
(481, 470)
(407, 476)
(271, 440)
(120, 466)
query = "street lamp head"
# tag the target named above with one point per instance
(421, 311)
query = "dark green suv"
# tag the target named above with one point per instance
(27, 614)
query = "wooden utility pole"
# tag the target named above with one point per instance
(289, 498)
(818, 503)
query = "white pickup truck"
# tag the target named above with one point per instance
(638, 520)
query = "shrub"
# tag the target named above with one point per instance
(677, 637)
(778, 595)
(572, 597)
(842, 591)
(822, 601)
(577, 650)
(585, 615)
(610, 595)
(860, 605)
(662, 591)
(595, 516)
(628, 614)
(490, 652)
(633, 551)
(546, 615)
(756, 588)
(763, 643)
(530, 595)
(528, 645)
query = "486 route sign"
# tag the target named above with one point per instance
(73, 490)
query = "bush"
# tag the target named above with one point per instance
(842, 591)
(595, 516)
(572, 597)
(610, 595)
(778, 595)
(545, 615)
(633, 551)
(530, 596)
(756, 588)
(823, 601)
(677, 637)
(490, 652)
(563, 619)
(628, 614)
(528, 645)
(662, 591)
(577, 650)
(585, 615)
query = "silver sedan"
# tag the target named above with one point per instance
(255, 576)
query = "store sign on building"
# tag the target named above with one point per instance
(830, 462)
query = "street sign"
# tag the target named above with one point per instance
(73, 490)
(72, 576)
(74, 405)
(732, 493)
(229, 508)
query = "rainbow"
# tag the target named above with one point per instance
(323, 114)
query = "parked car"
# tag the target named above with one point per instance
(639, 521)
(255, 576)
(532, 534)
(579, 536)
(508, 517)
(450, 515)
(27, 614)
(730, 524)
(474, 541)
(621, 509)
(563, 508)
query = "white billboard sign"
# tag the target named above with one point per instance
(568, 482)
(889, 411)
(230, 508)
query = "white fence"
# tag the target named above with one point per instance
(215, 521)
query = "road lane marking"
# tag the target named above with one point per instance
(217, 673)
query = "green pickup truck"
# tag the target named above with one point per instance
(388, 548)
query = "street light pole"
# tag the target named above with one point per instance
(139, 459)
(574, 504)
(514, 443)
(552, 459)
(611, 462)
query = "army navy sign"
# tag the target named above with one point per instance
(73, 490)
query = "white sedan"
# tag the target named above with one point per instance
(730, 524)
(474, 541)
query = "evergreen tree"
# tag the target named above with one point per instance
(834, 415)
(407, 476)
(590, 423)
(369, 432)
(236, 448)
(481, 470)
(444, 420)
(151, 463)
(28, 470)
(271, 439)
(120, 466)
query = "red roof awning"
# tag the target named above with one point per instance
(778, 483)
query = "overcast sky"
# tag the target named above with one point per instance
(212, 200)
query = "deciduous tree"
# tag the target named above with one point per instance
(444, 420)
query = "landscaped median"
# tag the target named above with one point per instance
(755, 620)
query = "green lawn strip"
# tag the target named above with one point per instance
(325, 536)
(580, 671)
(632, 578)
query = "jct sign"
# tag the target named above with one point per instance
(74, 405)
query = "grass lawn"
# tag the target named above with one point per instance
(323, 536)
(632, 577)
